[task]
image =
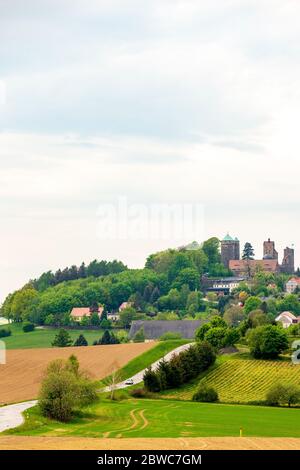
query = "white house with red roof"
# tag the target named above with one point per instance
(125, 305)
(292, 284)
(78, 313)
(287, 319)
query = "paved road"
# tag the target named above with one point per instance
(11, 415)
(138, 378)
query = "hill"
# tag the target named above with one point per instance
(240, 379)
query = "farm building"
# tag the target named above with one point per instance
(156, 328)
(78, 313)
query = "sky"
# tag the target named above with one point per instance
(114, 112)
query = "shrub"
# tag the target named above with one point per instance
(4, 332)
(283, 395)
(206, 394)
(27, 327)
(81, 341)
(267, 342)
(151, 381)
(139, 393)
(64, 389)
(170, 335)
(62, 339)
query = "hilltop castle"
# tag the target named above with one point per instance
(230, 256)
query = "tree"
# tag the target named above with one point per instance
(248, 252)
(234, 315)
(257, 318)
(267, 342)
(151, 381)
(252, 303)
(206, 394)
(127, 316)
(62, 339)
(139, 337)
(95, 320)
(81, 341)
(105, 324)
(64, 389)
(114, 377)
(106, 338)
(280, 394)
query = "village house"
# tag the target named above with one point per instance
(287, 319)
(113, 316)
(125, 305)
(78, 313)
(292, 285)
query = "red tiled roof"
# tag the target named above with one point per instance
(82, 311)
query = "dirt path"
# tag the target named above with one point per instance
(205, 443)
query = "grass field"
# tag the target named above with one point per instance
(22, 374)
(166, 419)
(240, 379)
(42, 338)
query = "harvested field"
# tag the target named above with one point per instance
(22, 374)
(207, 443)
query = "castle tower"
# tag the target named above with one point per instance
(288, 262)
(230, 250)
(269, 250)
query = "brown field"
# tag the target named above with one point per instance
(207, 443)
(22, 374)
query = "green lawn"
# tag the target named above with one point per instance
(167, 418)
(42, 338)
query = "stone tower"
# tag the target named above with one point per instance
(230, 250)
(288, 262)
(269, 250)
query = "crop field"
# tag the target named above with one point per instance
(150, 443)
(22, 374)
(148, 418)
(242, 380)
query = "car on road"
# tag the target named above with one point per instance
(129, 382)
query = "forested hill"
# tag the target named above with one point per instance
(169, 281)
(95, 268)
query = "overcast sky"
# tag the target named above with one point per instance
(154, 102)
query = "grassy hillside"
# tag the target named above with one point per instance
(164, 418)
(42, 338)
(149, 357)
(240, 379)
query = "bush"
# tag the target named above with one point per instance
(62, 339)
(27, 327)
(139, 393)
(81, 341)
(4, 332)
(170, 335)
(206, 394)
(64, 389)
(267, 342)
(283, 395)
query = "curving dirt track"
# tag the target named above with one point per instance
(207, 443)
(22, 374)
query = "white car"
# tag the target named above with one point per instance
(129, 382)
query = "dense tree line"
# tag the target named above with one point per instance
(95, 268)
(182, 368)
